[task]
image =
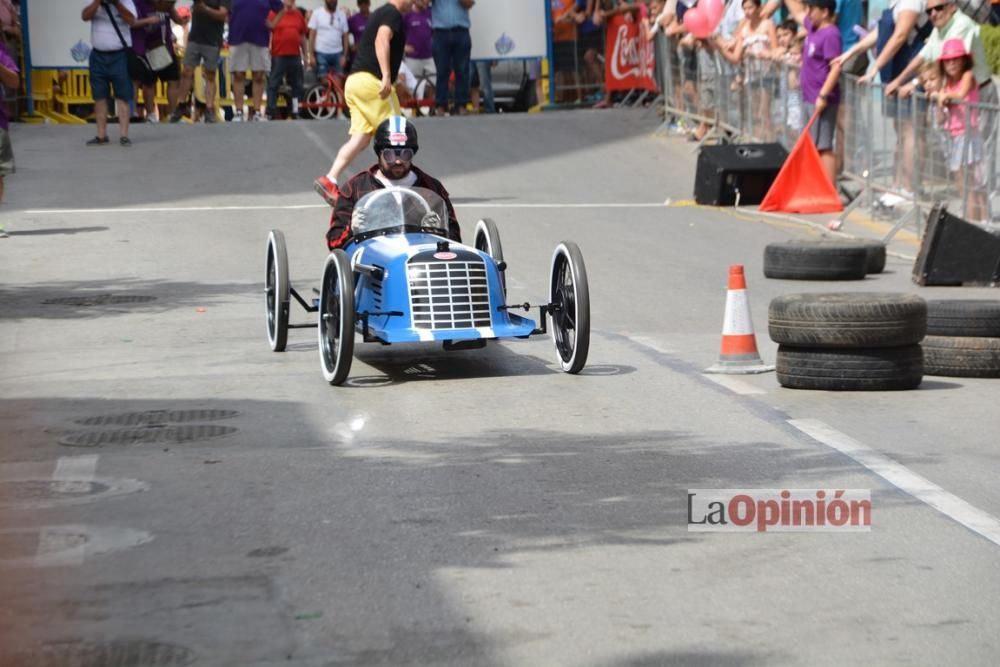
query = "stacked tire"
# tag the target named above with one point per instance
(823, 259)
(848, 341)
(963, 338)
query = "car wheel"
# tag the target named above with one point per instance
(336, 318)
(955, 356)
(488, 241)
(569, 295)
(276, 290)
(871, 369)
(318, 105)
(849, 319)
(963, 317)
(815, 260)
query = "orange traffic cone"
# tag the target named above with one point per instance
(802, 186)
(739, 354)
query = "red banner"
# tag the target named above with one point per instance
(629, 62)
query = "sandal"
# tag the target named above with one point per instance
(98, 141)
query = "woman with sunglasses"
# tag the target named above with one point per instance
(395, 145)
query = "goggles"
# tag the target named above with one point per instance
(393, 154)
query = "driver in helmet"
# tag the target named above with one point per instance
(395, 146)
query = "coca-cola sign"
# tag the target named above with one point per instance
(630, 59)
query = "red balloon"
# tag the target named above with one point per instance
(702, 19)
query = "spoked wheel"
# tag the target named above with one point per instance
(336, 318)
(569, 293)
(276, 289)
(318, 104)
(488, 240)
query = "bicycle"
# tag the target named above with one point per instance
(326, 99)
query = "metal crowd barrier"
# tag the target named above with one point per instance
(898, 152)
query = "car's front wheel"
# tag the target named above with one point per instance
(569, 295)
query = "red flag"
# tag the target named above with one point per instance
(802, 186)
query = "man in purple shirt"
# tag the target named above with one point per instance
(249, 49)
(419, 54)
(8, 77)
(357, 23)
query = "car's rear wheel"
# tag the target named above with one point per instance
(488, 241)
(336, 318)
(569, 295)
(276, 291)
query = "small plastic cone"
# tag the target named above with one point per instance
(802, 186)
(738, 354)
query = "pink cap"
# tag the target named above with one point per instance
(953, 48)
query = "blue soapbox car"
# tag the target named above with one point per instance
(401, 280)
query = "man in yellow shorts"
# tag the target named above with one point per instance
(369, 88)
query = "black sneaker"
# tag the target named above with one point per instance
(125, 141)
(177, 115)
(98, 141)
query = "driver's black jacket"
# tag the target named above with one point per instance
(339, 233)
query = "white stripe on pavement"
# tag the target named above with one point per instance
(904, 479)
(75, 468)
(302, 207)
(71, 473)
(735, 384)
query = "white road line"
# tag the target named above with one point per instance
(903, 478)
(735, 384)
(302, 207)
(313, 137)
(75, 468)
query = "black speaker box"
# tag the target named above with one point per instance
(956, 252)
(730, 169)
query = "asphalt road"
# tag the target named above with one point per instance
(457, 508)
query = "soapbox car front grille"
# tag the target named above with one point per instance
(449, 295)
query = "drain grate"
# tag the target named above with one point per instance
(99, 300)
(151, 435)
(157, 417)
(102, 654)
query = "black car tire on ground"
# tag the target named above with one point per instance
(276, 290)
(336, 318)
(570, 322)
(963, 317)
(956, 356)
(847, 320)
(488, 240)
(815, 260)
(862, 369)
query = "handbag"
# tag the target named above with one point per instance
(158, 58)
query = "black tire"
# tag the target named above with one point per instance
(963, 317)
(276, 291)
(488, 241)
(955, 356)
(316, 99)
(872, 369)
(847, 320)
(815, 260)
(336, 318)
(569, 291)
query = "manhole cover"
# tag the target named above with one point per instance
(150, 435)
(99, 300)
(34, 493)
(157, 417)
(101, 654)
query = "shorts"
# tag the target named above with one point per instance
(148, 77)
(196, 54)
(6, 154)
(689, 60)
(957, 156)
(368, 110)
(708, 77)
(249, 57)
(590, 40)
(109, 70)
(823, 130)
(564, 55)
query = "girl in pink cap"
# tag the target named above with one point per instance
(965, 147)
